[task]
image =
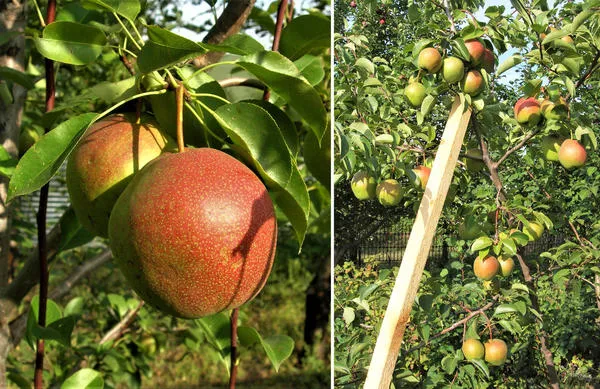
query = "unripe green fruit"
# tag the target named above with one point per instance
(550, 146)
(28, 138)
(486, 268)
(389, 193)
(430, 59)
(534, 230)
(384, 139)
(363, 185)
(194, 233)
(453, 70)
(103, 162)
(507, 264)
(476, 50)
(527, 111)
(415, 93)
(474, 165)
(496, 352)
(472, 84)
(472, 349)
(572, 154)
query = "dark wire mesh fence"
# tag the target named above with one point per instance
(388, 244)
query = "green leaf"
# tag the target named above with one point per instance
(580, 19)
(284, 78)
(505, 308)
(311, 68)
(366, 65)
(508, 63)
(71, 43)
(127, 8)
(42, 160)
(285, 124)
(348, 315)
(16, 76)
(260, 141)
(449, 364)
(509, 246)
(112, 92)
(72, 232)
(304, 35)
(166, 48)
(481, 243)
(53, 313)
(84, 379)
(7, 163)
(554, 35)
(240, 44)
(59, 330)
(216, 329)
(478, 363)
(278, 347)
(75, 306)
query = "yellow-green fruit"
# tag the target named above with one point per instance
(527, 111)
(486, 268)
(389, 192)
(534, 230)
(473, 349)
(554, 111)
(104, 161)
(496, 352)
(27, 138)
(507, 264)
(384, 139)
(472, 84)
(571, 154)
(363, 185)
(430, 60)
(415, 93)
(550, 146)
(474, 165)
(453, 70)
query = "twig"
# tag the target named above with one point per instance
(38, 379)
(589, 71)
(241, 81)
(517, 146)
(543, 190)
(127, 64)
(449, 16)
(277, 35)
(233, 358)
(179, 119)
(119, 329)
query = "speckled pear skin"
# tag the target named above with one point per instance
(103, 162)
(194, 233)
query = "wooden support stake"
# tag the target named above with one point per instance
(405, 289)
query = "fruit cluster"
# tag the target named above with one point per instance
(388, 192)
(494, 351)
(454, 70)
(193, 232)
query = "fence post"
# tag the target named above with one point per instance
(405, 289)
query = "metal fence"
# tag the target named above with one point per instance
(387, 247)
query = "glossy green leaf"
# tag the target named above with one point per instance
(165, 48)
(7, 163)
(285, 124)
(75, 306)
(59, 331)
(127, 8)
(481, 243)
(311, 68)
(305, 34)
(482, 366)
(284, 78)
(259, 139)
(14, 75)
(71, 43)
(43, 159)
(240, 44)
(112, 92)
(278, 347)
(84, 379)
(508, 63)
(72, 232)
(53, 313)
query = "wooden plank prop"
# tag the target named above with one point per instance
(419, 242)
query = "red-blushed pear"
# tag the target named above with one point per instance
(476, 51)
(527, 111)
(430, 59)
(381, 21)
(415, 93)
(472, 349)
(488, 61)
(475, 164)
(422, 174)
(507, 264)
(353, 4)
(453, 70)
(472, 84)
(533, 230)
(103, 162)
(496, 352)
(194, 233)
(572, 154)
(363, 185)
(549, 146)
(389, 192)
(486, 268)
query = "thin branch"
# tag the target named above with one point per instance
(277, 35)
(241, 81)
(119, 329)
(179, 117)
(590, 70)
(229, 23)
(522, 143)
(449, 16)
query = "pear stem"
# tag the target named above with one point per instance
(179, 98)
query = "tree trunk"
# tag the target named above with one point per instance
(12, 54)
